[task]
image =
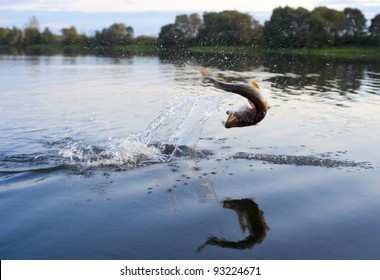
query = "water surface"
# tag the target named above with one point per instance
(128, 158)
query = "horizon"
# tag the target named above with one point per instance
(144, 16)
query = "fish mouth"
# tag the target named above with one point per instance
(232, 120)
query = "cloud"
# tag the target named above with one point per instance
(100, 6)
(349, 3)
(110, 6)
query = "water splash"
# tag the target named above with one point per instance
(180, 125)
(128, 152)
(174, 132)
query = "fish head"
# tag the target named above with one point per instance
(243, 117)
(232, 120)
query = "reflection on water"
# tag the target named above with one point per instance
(230, 61)
(316, 75)
(250, 218)
(311, 163)
(325, 74)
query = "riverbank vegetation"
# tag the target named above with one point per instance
(353, 52)
(322, 31)
(117, 37)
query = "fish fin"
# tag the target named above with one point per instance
(254, 84)
(205, 72)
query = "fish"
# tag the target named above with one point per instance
(249, 115)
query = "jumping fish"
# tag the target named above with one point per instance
(249, 115)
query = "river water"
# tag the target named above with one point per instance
(128, 158)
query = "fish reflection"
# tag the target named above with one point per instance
(250, 218)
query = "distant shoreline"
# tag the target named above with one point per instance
(352, 52)
(81, 49)
(343, 52)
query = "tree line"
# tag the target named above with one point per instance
(287, 28)
(118, 34)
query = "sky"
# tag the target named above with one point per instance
(148, 16)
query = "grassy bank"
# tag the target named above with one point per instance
(339, 52)
(138, 49)
(359, 53)
(369, 53)
(82, 49)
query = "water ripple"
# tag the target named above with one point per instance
(310, 160)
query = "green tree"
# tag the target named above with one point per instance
(355, 25)
(182, 33)
(48, 37)
(325, 27)
(32, 35)
(15, 37)
(229, 28)
(3, 36)
(189, 25)
(374, 30)
(119, 34)
(116, 34)
(286, 28)
(171, 36)
(70, 36)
